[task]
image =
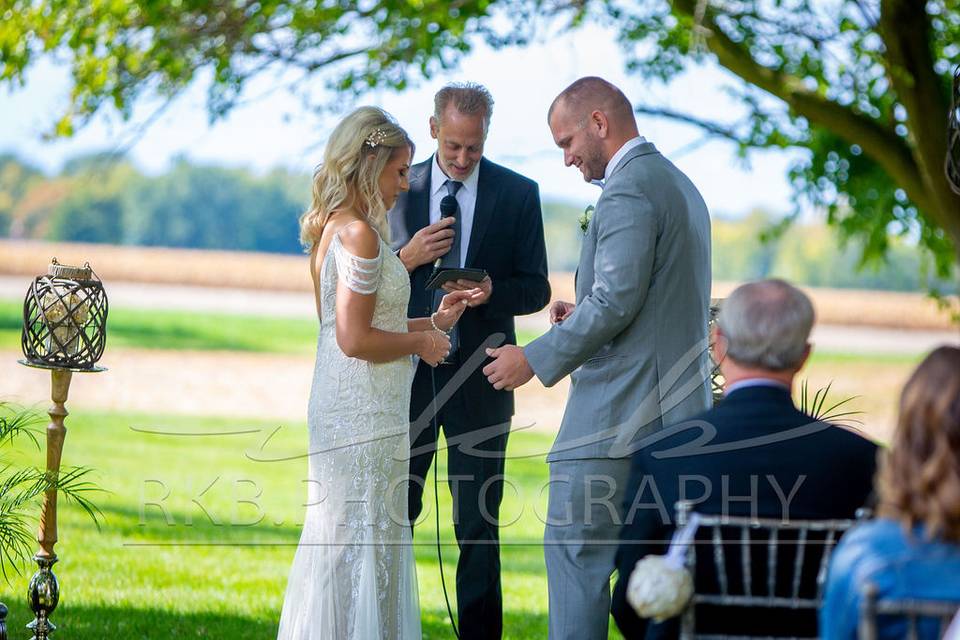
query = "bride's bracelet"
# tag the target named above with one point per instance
(433, 323)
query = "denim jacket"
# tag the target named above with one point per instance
(900, 566)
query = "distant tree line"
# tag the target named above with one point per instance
(750, 247)
(100, 199)
(97, 198)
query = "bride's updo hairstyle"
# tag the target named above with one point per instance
(357, 151)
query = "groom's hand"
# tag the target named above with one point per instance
(509, 368)
(560, 310)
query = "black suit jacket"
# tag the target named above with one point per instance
(507, 241)
(834, 468)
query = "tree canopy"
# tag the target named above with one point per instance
(864, 85)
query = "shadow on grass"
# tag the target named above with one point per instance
(516, 624)
(81, 622)
(519, 555)
(125, 521)
(515, 560)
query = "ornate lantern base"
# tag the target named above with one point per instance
(44, 595)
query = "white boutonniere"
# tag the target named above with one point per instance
(585, 218)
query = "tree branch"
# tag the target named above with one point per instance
(905, 30)
(713, 128)
(310, 66)
(882, 144)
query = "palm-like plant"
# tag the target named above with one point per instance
(815, 406)
(21, 488)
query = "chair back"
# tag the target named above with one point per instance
(787, 551)
(922, 618)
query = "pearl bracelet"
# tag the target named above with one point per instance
(433, 323)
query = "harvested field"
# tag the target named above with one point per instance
(288, 273)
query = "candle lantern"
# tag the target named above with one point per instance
(65, 318)
(64, 330)
(953, 136)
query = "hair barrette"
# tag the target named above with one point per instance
(377, 136)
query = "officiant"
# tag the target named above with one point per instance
(491, 221)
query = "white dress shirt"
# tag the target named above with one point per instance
(618, 156)
(754, 382)
(466, 199)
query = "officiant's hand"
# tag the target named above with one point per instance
(452, 307)
(509, 368)
(428, 244)
(559, 311)
(485, 286)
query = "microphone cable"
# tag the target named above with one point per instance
(436, 498)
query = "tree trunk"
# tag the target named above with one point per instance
(905, 29)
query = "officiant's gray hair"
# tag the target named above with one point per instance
(469, 98)
(767, 324)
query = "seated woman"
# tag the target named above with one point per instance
(912, 550)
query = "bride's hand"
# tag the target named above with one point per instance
(452, 307)
(436, 347)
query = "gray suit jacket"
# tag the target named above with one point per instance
(636, 344)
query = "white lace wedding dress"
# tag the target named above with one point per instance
(353, 575)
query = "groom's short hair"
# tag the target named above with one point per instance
(592, 93)
(767, 324)
(469, 98)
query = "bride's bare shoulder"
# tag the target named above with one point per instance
(358, 237)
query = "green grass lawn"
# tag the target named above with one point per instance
(151, 329)
(214, 565)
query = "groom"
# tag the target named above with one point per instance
(634, 343)
(498, 227)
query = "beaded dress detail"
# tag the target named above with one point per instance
(353, 575)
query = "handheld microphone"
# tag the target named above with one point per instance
(448, 208)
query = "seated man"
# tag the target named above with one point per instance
(754, 454)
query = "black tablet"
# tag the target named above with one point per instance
(441, 276)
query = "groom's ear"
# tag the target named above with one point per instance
(598, 120)
(434, 127)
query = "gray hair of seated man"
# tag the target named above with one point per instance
(767, 324)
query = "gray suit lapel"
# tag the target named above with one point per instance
(583, 280)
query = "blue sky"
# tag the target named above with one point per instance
(273, 128)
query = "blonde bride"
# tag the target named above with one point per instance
(353, 575)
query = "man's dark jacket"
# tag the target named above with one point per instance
(760, 442)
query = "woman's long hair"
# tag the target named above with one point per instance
(358, 150)
(919, 480)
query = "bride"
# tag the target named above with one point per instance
(353, 574)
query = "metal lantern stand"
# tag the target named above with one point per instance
(64, 330)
